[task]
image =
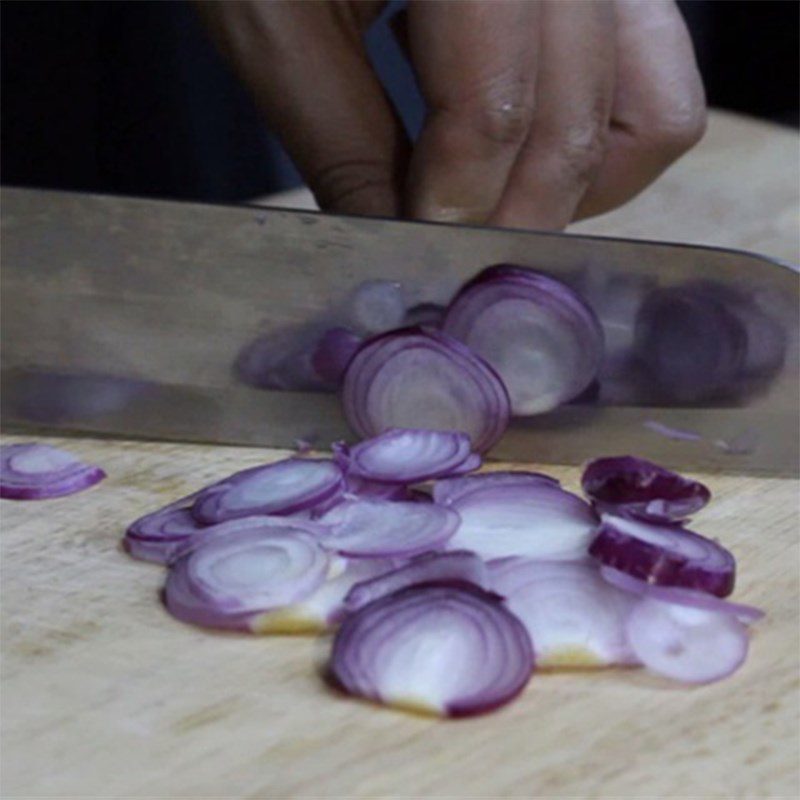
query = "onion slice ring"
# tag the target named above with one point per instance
(421, 378)
(433, 649)
(667, 555)
(282, 488)
(33, 471)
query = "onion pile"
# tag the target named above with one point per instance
(446, 599)
(513, 340)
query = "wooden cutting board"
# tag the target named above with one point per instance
(104, 695)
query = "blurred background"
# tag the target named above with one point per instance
(132, 97)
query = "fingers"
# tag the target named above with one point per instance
(659, 109)
(307, 68)
(566, 144)
(476, 65)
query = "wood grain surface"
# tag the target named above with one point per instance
(105, 696)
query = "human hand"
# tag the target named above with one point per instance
(539, 111)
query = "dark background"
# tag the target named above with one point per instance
(131, 97)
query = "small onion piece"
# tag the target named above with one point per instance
(387, 529)
(454, 566)
(33, 471)
(157, 536)
(402, 455)
(449, 490)
(541, 337)
(282, 488)
(685, 642)
(537, 520)
(333, 352)
(628, 486)
(574, 617)
(421, 378)
(229, 579)
(433, 649)
(667, 555)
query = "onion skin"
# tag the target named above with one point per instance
(490, 679)
(629, 486)
(653, 563)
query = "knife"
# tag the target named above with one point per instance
(130, 317)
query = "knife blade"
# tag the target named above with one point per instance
(129, 317)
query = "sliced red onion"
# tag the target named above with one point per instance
(282, 488)
(667, 555)
(628, 486)
(33, 471)
(324, 608)
(157, 536)
(471, 463)
(421, 378)
(455, 566)
(447, 491)
(573, 616)
(245, 525)
(690, 343)
(386, 529)
(282, 359)
(686, 643)
(357, 487)
(675, 594)
(333, 352)
(425, 314)
(540, 336)
(229, 579)
(374, 490)
(538, 520)
(443, 650)
(403, 455)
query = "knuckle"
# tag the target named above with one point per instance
(499, 111)
(505, 123)
(580, 149)
(676, 128)
(345, 182)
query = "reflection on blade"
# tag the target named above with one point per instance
(140, 317)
